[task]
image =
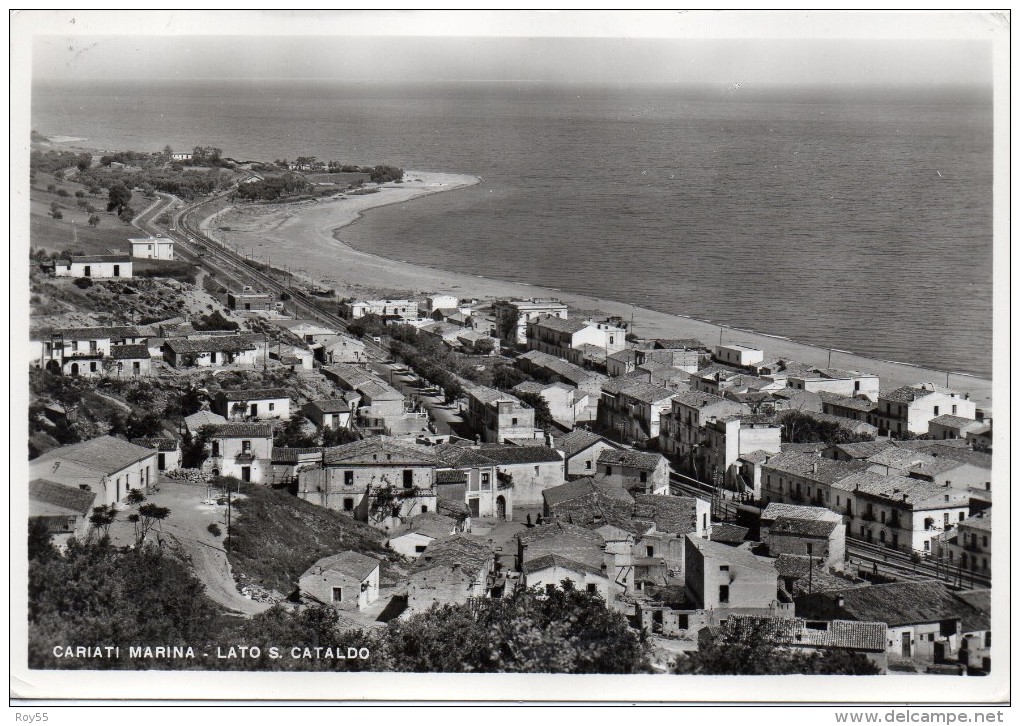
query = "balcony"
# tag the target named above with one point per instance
(245, 457)
(85, 355)
(868, 516)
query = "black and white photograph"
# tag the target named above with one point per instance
(625, 347)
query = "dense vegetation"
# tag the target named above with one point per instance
(273, 188)
(800, 428)
(743, 648)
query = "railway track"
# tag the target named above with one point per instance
(224, 261)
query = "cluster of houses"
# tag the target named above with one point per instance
(628, 416)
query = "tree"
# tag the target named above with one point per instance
(563, 631)
(543, 417)
(744, 647)
(293, 434)
(800, 428)
(84, 161)
(338, 436)
(149, 515)
(119, 196)
(484, 346)
(506, 377)
(93, 220)
(126, 214)
(103, 517)
(193, 447)
(79, 194)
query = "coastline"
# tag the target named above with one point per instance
(306, 237)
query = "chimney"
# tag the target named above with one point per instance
(548, 439)
(840, 601)
(478, 439)
(814, 467)
(904, 496)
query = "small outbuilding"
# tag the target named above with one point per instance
(346, 581)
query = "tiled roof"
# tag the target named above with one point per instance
(844, 423)
(961, 454)
(379, 391)
(814, 447)
(293, 455)
(909, 394)
(129, 352)
(674, 515)
(644, 392)
(428, 524)
(631, 458)
(978, 618)
(777, 510)
(298, 324)
(354, 564)
(813, 467)
(451, 476)
(897, 458)
(699, 400)
(467, 553)
(895, 604)
(627, 355)
(947, 419)
(982, 521)
(729, 533)
(558, 530)
(91, 333)
(382, 451)
(857, 404)
(487, 396)
(203, 418)
(97, 259)
(758, 456)
(453, 507)
(106, 454)
(161, 443)
(331, 405)
(242, 429)
(802, 527)
(496, 455)
(733, 555)
(863, 449)
(254, 394)
(224, 344)
(47, 498)
(544, 562)
(577, 440)
(844, 634)
(560, 325)
(579, 489)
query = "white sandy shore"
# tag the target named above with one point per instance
(306, 237)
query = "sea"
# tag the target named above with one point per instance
(855, 218)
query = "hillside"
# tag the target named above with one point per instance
(278, 536)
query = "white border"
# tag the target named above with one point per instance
(557, 688)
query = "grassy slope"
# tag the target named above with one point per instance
(278, 537)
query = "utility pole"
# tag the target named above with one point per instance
(228, 517)
(811, 567)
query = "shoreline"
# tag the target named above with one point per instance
(311, 232)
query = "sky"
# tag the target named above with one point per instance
(651, 47)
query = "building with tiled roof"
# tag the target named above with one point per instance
(550, 571)
(512, 316)
(331, 413)
(968, 547)
(799, 635)
(529, 470)
(451, 570)
(564, 337)
(549, 367)
(106, 466)
(197, 421)
(222, 350)
(719, 576)
(918, 614)
(911, 408)
(643, 472)
(64, 509)
(254, 404)
(346, 581)
(563, 539)
(857, 450)
(96, 267)
(497, 416)
(411, 538)
(633, 409)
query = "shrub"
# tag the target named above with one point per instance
(83, 282)
(214, 529)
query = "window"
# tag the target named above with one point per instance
(408, 478)
(536, 470)
(486, 481)
(857, 385)
(550, 588)
(272, 406)
(215, 448)
(954, 409)
(962, 516)
(246, 447)
(644, 477)
(348, 504)
(513, 421)
(338, 594)
(92, 367)
(984, 541)
(609, 470)
(419, 548)
(592, 588)
(936, 410)
(348, 478)
(587, 464)
(724, 593)
(649, 551)
(945, 519)
(724, 568)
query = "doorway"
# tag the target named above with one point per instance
(501, 507)
(245, 473)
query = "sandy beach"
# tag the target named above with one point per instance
(307, 239)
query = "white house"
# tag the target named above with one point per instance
(108, 466)
(346, 581)
(152, 248)
(737, 354)
(95, 266)
(241, 450)
(911, 408)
